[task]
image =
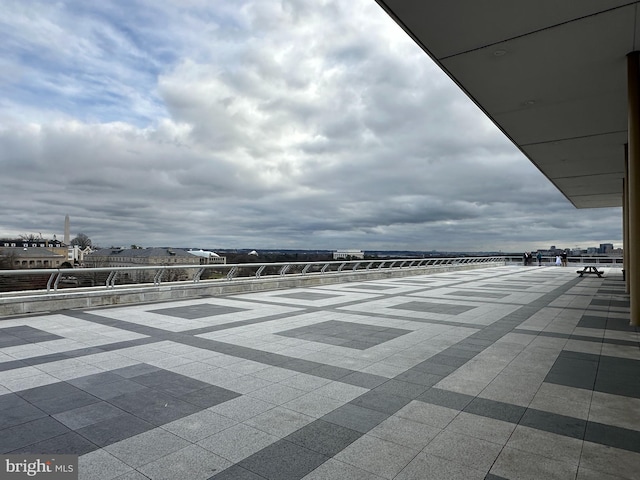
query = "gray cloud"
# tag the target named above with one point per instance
(257, 124)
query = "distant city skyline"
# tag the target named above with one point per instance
(253, 124)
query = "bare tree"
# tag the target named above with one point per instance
(81, 240)
(30, 237)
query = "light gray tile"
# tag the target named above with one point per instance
(279, 421)
(405, 432)
(238, 442)
(242, 408)
(100, 465)
(313, 404)
(558, 447)
(305, 382)
(199, 425)
(470, 451)
(146, 447)
(334, 470)
(609, 460)
(428, 414)
(485, 428)
(378, 456)
(192, 462)
(341, 391)
(277, 393)
(430, 467)
(512, 463)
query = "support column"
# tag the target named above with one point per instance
(633, 183)
(625, 219)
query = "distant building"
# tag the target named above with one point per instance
(138, 257)
(344, 254)
(605, 248)
(208, 258)
(144, 257)
(29, 257)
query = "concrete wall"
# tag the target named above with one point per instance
(27, 302)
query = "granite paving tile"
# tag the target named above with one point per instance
(237, 442)
(115, 429)
(323, 437)
(283, 460)
(355, 418)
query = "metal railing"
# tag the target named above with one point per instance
(571, 261)
(32, 281)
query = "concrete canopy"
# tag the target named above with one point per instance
(551, 75)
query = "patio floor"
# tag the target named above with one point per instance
(499, 373)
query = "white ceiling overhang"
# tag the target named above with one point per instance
(552, 75)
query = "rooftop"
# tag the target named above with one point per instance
(498, 373)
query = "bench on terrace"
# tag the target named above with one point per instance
(590, 269)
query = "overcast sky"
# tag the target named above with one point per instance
(256, 124)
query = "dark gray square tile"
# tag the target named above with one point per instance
(330, 372)
(308, 296)
(446, 398)
(106, 391)
(611, 436)
(19, 436)
(69, 443)
(554, 423)
(59, 389)
(154, 406)
(381, 401)
(355, 418)
(72, 401)
(508, 286)
(209, 396)
(11, 400)
(135, 370)
(21, 413)
(324, 437)
(201, 310)
(170, 382)
(115, 429)
(498, 410)
(346, 334)
(371, 287)
(364, 380)
(24, 334)
(283, 461)
(589, 321)
(471, 293)
(428, 307)
(87, 415)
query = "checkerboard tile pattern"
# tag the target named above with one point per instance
(499, 373)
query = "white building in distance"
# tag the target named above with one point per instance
(344, 254)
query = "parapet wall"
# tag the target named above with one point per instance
(82, 298)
